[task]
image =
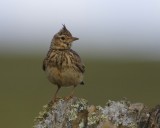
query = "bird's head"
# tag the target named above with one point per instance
(63, 39)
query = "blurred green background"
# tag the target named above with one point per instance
(25, 89)
(119, 43)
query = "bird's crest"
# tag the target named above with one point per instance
(64, 31)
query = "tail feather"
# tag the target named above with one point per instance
(82, 83)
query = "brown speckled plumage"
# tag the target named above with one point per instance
(62, 65)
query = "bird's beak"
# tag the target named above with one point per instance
(75, 38)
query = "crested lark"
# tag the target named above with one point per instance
(62, 65)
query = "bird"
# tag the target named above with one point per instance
(62, 65)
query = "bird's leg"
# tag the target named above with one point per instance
(71, 94)
(55, 95)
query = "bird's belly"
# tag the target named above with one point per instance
(65, 77)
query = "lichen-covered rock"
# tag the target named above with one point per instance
(154, 119)
(120, 114)
(63, 114)
(77, 113)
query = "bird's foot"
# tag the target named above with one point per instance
(55, 99)
(68, 97)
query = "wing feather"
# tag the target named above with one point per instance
(78, 62)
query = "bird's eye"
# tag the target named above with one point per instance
(62, 38)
